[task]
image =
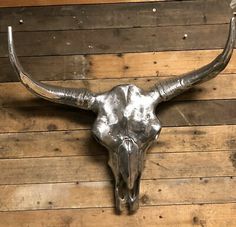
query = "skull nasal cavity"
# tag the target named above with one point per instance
(128, 145)
(129, 161)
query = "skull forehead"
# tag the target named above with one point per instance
(126, 111)
(126, 101)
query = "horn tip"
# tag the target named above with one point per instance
(9, 33)
(9, 28)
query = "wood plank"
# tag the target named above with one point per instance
(211, 215)
(74, 143)
(95, 168)
(132, 65)
(126, 15)
(222, 87)
(100, 194)
(19, 3)
(117, 40)
(206, 163)
(57, 117)
(25, 119)
(216, 112)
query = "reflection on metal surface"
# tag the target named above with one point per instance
(233, 4)
(126, 123)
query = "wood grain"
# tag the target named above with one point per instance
(94, 168)
(53, 173)
(20, 3)
(57, 117)
(126, 15)
(81, 142)
(104, 66)
(117, 40)
(212, 215)
(100, 194)
(222, 87)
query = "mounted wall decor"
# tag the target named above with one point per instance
(126, 123)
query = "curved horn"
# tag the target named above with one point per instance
(81, 98)
(170, 88)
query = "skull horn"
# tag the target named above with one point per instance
(81, 98)
(170, 88)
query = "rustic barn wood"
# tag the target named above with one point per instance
(94, 168)
(185, 215)
(135, 65)
(127, 15)
(14, 3)
(222, 87)
(53, 172)
(55, 117)
(80, 142)
(117, 40)
(154, 193)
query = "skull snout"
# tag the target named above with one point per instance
(129, 162)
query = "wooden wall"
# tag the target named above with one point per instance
(15, 3)
(53, 173)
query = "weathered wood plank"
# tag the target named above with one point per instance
(222, 87)
(105, 66)
(94, 168)
(19, 3)
(211, 215)
(46, 118)
(116, 15)
(57, 117)
(189, 113)
(100, 194)
(73, 143)
(116, 40)
(161, 64)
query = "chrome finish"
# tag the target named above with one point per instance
(81, 98)
(233, 4)
(127, 126)
(168, 89)
(126, 123)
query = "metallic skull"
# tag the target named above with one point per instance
(126, 123)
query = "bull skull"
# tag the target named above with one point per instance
(126, 123)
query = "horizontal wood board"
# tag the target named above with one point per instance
(20, 3)
(127, 15)
(53, 172)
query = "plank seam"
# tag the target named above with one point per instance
(151, 77)
(114, 53)
(103, 2)
(119, 28)
(104, 155)
(89, 129)
(110, 207)
(231, 177)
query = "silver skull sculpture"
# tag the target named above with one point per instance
(126, 123)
